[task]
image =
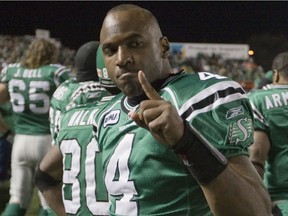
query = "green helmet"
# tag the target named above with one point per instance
(102, 71)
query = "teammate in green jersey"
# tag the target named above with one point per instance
(83, 190)
(29, 85)
(68, 94)
(204, 118)
(269, 151)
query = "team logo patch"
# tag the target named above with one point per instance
(112, 118)
(240, 130)
(236, 111)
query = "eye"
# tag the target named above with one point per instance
(136, 44)
(108, 51)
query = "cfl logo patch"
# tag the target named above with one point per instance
(112, 118)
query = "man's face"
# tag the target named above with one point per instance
(129, 46)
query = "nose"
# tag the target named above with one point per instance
(123, 56)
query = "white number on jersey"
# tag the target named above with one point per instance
(18, 99)
(122, 186)
(70, 177)
(206, 76)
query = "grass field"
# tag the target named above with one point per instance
(4, 198)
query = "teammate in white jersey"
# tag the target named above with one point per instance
(29, 86)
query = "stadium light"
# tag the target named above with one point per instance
(250, 52)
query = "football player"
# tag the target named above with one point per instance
(29, 85)
(269, 150)
(204, 118)
(74, 164)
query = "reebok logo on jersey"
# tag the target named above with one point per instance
(112, 118)
(93, 94)
(236, 111)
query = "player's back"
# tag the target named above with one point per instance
(83, 184)
(59, 101)
(273, 105)
(30, 93)
(270, 108)
(70, 94)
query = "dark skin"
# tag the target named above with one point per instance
(4, 94)
(3, 127)
(136, 54)
(52, 164)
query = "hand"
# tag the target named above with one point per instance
(158, 116)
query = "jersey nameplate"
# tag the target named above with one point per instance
(29, 73)
(276, 100)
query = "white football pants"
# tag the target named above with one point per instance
(27, 152)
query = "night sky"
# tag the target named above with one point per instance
(76, 22)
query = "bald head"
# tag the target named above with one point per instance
(131, 40)
(132, 15)
(140, 11)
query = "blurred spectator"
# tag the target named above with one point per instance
(244, 71)
(13, 47)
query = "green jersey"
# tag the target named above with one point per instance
(70, 94)
(30, 93)
(84, 191)
(270, 108)
(144, 177)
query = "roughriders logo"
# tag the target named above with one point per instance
(240, 130)
(112, 118)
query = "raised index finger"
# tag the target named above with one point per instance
(150, 92)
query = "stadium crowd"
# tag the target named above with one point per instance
(13, 48)
(245, 71)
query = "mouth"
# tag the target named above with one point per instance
(126, 74)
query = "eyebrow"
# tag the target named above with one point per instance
(130, 36)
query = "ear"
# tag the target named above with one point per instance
(276, 76)
(165, 47)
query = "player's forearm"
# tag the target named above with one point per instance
(53, 196)
(4, 94)
(231, 187)
(50, 185)
(3, 127)
(235, 194)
